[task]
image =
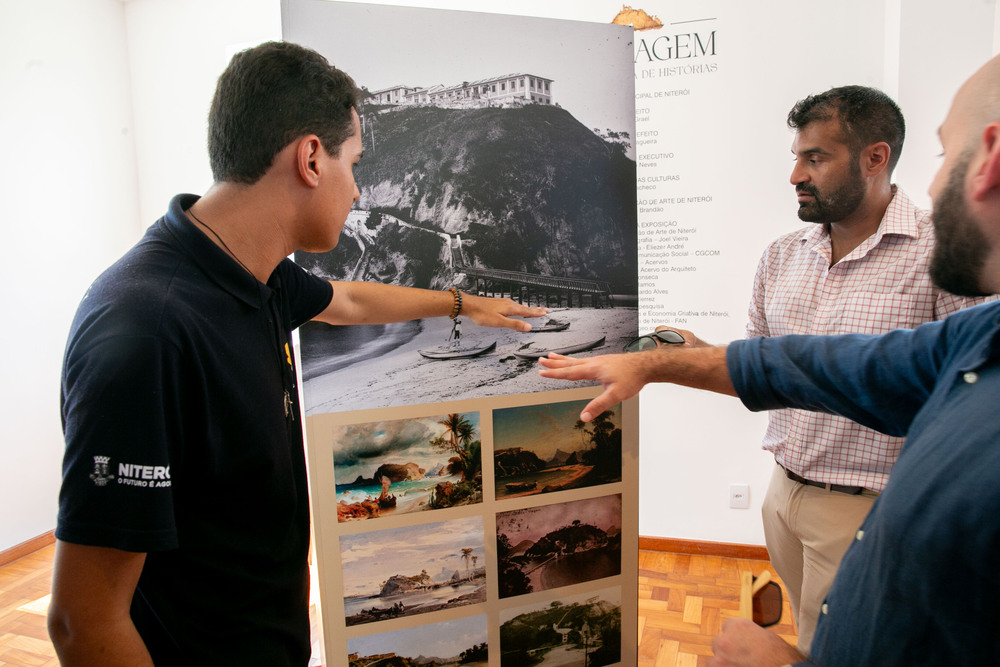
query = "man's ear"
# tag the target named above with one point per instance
(986, 178)
(875, 159)
(308, 151)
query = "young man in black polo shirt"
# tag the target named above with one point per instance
(183, 517)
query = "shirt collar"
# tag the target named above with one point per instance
(900, 218)
(210, 258)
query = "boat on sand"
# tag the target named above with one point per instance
(448, 352)
(535, 354)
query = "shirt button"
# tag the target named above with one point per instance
(825, 609)
(970, 377)
(858, 535)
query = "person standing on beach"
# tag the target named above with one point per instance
(183, 524)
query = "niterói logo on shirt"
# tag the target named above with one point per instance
(130, 474)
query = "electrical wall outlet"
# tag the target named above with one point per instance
(739, 496)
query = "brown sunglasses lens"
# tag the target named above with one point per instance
(767, 605)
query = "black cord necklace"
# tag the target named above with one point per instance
(231, 253)
(288, 403)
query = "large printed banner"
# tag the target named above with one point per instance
(462, 513)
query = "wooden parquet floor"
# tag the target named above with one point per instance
(683, 600)
(24, 587)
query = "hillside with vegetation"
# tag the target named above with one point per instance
(528, 189)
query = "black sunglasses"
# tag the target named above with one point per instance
(649, 341)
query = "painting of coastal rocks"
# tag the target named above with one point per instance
(546, 547)
(545, 448)
(407, 465)
(450, 644)
(582, 630)
(413, 570)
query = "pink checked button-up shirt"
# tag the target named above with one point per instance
(881, 285)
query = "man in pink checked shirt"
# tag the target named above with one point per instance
(861, 268)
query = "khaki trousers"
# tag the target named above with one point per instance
(808, 530)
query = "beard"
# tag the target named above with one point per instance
(838, 204)
(961, 248)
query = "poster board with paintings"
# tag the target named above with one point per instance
(461, 511)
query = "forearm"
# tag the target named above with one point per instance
(107, 643)
(376, 303)
(624, 375)
(88, 619)
(702, 367)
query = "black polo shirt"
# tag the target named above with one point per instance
(183, 441)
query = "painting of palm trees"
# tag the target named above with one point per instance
(411, 570)
(546, 448)
(407, 465)
(460, 441)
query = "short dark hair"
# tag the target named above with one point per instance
(269, 96)
(867, 116)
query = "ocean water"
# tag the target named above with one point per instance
(353, 605)
(404, 491)
(325, 348)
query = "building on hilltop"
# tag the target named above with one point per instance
(499, 91)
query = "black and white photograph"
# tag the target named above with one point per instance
(499, 159)
(546, 448)
(582, 630)
(540, 548)
(413, 570)
(462, 642)
(407, 465)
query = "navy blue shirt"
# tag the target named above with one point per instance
(184, 442)
(920, 585)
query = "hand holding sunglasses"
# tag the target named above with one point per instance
(651, 340)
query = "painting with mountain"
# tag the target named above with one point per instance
(546, 448)
(539, 548)
(419, 569)
(407, 465)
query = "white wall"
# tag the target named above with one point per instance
(937, 51)
(75, 73)
(177, 50)
(68, 187)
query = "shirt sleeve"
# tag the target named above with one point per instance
(121, 415)
(756, 319)
(878, 381)
(307, 295)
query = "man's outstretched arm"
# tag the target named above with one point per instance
(623, 375)
(376, 303)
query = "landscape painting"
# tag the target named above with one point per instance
(413, 570)
(540, 548)
(582, 630)
(545, 448)
(407, 465)
(462, 642)
(507, 172)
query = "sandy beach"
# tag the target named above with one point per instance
(403, 377)
(570, 475)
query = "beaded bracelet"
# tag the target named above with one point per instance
(456, 308)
